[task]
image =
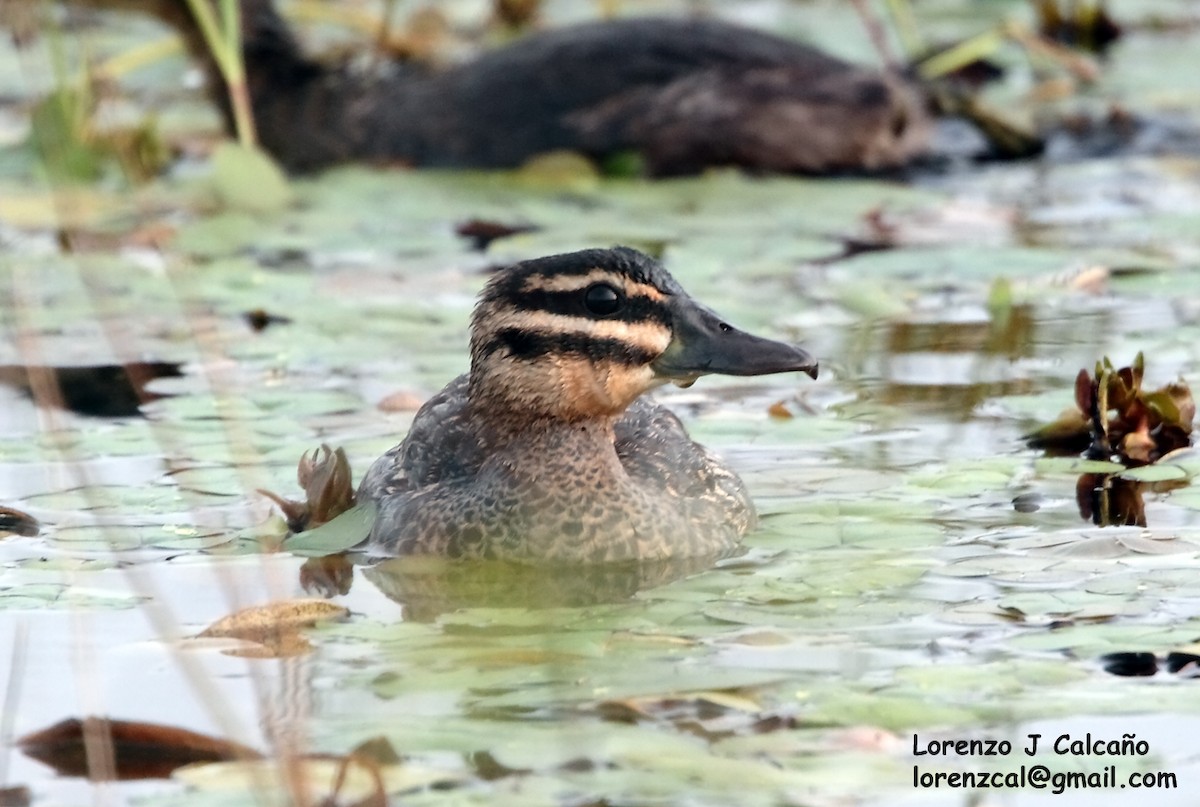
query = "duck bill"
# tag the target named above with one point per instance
(703, 343)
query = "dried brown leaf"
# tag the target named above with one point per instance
(252, 623)
(328, 487)
(18, 523)
(1085, 397)
(779, 410)
(16, 796)
(139, 750)
(274, 629)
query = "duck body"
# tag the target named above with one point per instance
(685, 94)
(544, 451)
(634, 487)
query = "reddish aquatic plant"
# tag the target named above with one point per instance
(1116, 419)
(328, 490)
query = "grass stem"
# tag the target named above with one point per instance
(224, 41)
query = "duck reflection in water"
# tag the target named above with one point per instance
(427, 586)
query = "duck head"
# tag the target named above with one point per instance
(583, 334)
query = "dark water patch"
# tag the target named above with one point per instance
(480, 233)
(260, 319)
(1181, 664)
(100, 390)
(284, 258)
(1082, 26)
(1130, 664)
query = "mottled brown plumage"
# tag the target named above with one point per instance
(544, 450)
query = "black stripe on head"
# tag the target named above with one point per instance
(524, 344)
(621, 261)
(570, 304)
(630, 263)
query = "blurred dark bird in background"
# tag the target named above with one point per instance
(684, 94)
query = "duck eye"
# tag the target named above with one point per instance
(602, 299)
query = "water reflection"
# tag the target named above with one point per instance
(953, 358)
(1107, 500)
(954, 365)
(427, 587)
(1011, 334)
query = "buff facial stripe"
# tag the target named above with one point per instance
(570, 304)
(631, 286)
(651, 337)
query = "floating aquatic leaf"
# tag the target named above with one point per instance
(1092, 641)
(871, 300)
(247, 179)
(560, 170)
(274, 628)
(344, 531)
(1074, 465)
(27, 596)
(342, 778)
(1155, 473)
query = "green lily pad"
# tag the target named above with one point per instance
(248, 179)
(345, 531)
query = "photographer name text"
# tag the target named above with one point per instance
(1064, 745)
